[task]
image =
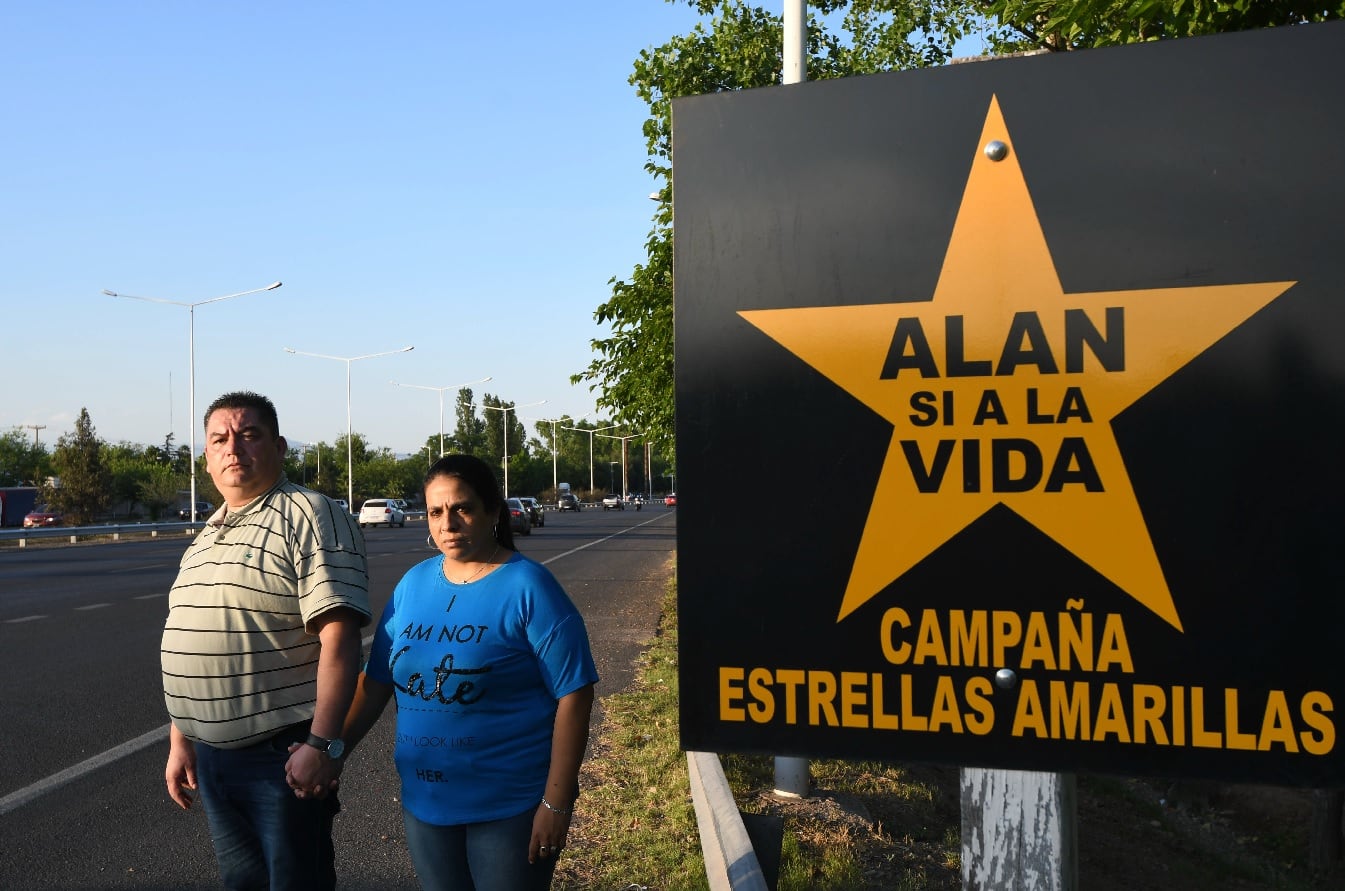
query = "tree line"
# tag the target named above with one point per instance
(88, 479)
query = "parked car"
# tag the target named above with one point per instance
(567, 501)
(534, 511)
(670, 500)
(520, 520)
(203, 510)
(381, 510)
(43, 516)
(612, 501)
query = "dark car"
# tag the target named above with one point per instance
(567, 502)
(534, 511)
(520, 520)
(612, 501)
(43, 516)
(203, 510)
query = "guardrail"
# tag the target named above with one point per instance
(115, 531)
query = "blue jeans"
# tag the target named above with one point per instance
(491, 856)
(264, 837)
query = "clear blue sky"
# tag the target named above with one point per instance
(462, 177)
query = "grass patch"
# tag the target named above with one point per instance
(636, 825)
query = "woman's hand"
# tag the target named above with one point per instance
(550, 827)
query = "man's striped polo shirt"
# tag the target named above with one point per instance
(239, 660)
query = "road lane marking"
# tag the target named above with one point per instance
(90, 606)
(18, 799)
(24, 619)
(141, 568)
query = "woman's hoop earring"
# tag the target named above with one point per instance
(429, 540)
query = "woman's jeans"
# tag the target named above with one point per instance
(264, 837)
(491, 856)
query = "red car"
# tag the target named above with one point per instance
(42, 517)
(670, 500)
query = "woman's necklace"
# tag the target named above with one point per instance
(480, 569)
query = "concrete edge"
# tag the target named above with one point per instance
(730, 862)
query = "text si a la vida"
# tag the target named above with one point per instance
(1105, 707)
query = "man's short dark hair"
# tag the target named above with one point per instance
(264, 408)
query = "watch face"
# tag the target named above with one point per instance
(336, 748)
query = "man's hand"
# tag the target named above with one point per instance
(180, 773)
(311, 773)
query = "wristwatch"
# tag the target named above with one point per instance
(332, 748)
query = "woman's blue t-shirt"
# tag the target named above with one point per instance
(477, 670)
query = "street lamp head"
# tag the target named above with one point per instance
(272, 286)
(111, 293)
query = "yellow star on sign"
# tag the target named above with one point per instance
(1002, 388)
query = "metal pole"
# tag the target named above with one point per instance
(191, 358)
(791, 773)
(191, 405)
(795, 42)
(350, 454)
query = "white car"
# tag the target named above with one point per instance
(377, 511)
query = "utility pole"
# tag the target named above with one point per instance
(35, 428)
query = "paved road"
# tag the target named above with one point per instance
(82, 724)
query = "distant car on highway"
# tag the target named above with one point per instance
(343, 504)
(377, 511)
(612, 501)
(203, 510)
(520, 520)
(534, 511)
(567, 501)
(670, 500)
(43, 516)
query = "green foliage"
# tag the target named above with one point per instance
(131, 466)
(85, 482)
(22, 459)
(1083, 24)
(158, 489)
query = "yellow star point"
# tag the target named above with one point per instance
(1002, 389)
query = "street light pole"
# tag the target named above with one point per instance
(191, 362)
(350, 452)
(440, 391)
(624, 439)
(590, 447)
(504, 424)
(555, 481)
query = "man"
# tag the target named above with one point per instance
(260, 654)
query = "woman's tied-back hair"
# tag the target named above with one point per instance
(244, 399)
(477, 476)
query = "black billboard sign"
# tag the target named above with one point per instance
(1010, 401)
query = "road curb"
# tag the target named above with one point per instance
(730, 861)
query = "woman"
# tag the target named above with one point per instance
(490, 664)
